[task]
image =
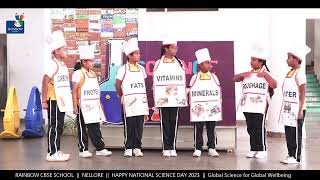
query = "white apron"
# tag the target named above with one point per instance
(90, 99)
(135, 102)
(169, 84)
(205, 100)
(290, 103)
(254, 94)
(62, 88)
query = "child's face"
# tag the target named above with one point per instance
(255, 63)
(172, 50)
(88, 63)
(292, 60)
(61, 52)
(135, 56)
(205, 66)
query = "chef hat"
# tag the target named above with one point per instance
(299, 50)
(168, 40)
(56, 40)
(202, 55)
(130, 46)
(258, 51)
(86, 52)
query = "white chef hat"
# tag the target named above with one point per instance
(56, 40)
(167, 39)
(258, 51)
(86, 52)
(202, 55)
(130, 46)
(299, 50)
(169, 42)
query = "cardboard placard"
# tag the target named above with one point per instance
(107, 32)
(57, 21)
(119, 10)
(132, 25)
(82, 29)
(94, 16)
(119, 21)
(71, 21)
(108, 17)
(70, 36)
(82, 36)
(57, 14)
(85, 43)
(70, 14)
(94, 27)
(82, 16)
(93, 36)
(95, 11)
(82, 11)
(72, 52)
(82, 23)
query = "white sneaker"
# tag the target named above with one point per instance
(58, 156)
(127, 153)
(103, 152)
(137, 153)
(85, 154)
(213, 152)
(196, 153)
(173, 153)
(290, 160)
(261, 154)
(166, 153)
(251, 154)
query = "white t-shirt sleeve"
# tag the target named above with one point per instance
(50, 68)
(301, 78)
(76, 76)
(121, 73)
(144, 72)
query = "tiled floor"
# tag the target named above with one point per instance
(30, 154)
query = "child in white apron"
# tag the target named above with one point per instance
(131, 87)
(293, 107)
(205, 103)
(257, 86)
(86, 104)
(56, 95)
(169, 90)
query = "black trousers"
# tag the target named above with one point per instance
(256, 130)
(198, 134)
(93, 130)
(133, 129)
(169, 127)
(294, 139)
(55, 126)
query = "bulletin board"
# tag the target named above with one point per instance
(94, 27)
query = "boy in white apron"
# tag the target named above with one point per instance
(169, 85)
(256, 87)
(86, 104)
(56, 95)
(293, 107)
(131, 87)
(205, 103)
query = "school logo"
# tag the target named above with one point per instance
(16, 26)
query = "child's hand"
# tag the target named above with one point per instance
(44, 105)
(75, 110)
